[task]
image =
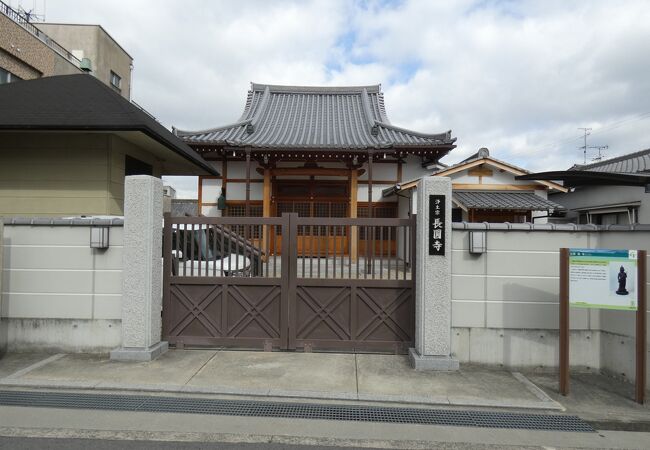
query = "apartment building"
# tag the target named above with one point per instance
(30, 50)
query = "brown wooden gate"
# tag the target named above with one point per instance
(224, 286)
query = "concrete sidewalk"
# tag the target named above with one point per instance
(361, 377)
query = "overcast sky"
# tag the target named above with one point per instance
(518, 77)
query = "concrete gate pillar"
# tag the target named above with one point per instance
(142, 270)
(433, 277)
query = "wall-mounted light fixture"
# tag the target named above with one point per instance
(99, 237)
(477, 242)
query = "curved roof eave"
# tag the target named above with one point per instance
(364, 126)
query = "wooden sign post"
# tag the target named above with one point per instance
(641, 330)
(564, 321)
(641, 308)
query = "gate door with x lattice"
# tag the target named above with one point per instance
(224, 285)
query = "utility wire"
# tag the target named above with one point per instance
(608, 127)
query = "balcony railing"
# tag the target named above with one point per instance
(23, 21)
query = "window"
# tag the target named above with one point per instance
(624, 215)
(7, 77)
(116, 80)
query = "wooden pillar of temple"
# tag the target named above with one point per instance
(370, 157)
(266, 207)
(370, 239)
(224, 181)
(354, 193)
(248, 182)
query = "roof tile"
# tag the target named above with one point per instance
(505, 200)
(315, 117)
(631, 163)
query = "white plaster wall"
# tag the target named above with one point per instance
(210, 211)
(237, 191)
(381, 171)
(362, 195)
(497, 177)
(413, 169)
(237, 169)
(211, 190)
(55, 285)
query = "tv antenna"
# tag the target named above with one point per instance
(600, 148)
(31, 15)
(587, 132)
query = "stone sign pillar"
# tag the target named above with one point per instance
(142, 270)
(433, 277)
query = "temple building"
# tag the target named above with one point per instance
(316, 151)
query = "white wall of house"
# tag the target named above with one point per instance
(57, 292)
(602, 196)
(505, 302)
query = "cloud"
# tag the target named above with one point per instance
(517, 77)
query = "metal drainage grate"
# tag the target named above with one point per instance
(485, 419)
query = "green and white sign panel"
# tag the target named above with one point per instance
(600, 278)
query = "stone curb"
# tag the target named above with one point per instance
(276, 393)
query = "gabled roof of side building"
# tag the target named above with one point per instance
(479, 158)
(637, 162)
(483, 157)
(82, 103)
(313, 117)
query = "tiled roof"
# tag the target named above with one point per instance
(315, 117)
(631, 163)
(83, 103)
(504, 200)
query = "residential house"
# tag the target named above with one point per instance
(485, 190)
(613, 191)
(67, 142)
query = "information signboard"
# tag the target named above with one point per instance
(610, 279)
(602, 278)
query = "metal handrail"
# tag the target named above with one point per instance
(24, 22)
(137, 105)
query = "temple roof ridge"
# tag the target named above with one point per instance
(323, 117)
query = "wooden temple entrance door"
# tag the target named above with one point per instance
(315, 198)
